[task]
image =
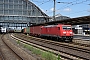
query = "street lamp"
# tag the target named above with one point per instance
(54, 10)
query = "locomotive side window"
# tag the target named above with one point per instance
(41, 28)
(58, 28)
(66, 27)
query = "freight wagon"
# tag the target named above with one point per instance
(26, 30)
(35, 30)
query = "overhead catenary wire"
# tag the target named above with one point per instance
(67, 3)
(72, 3)
(77, 12)
(41, 2)
(81, 11)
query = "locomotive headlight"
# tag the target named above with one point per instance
(64, 32)
(70, 32)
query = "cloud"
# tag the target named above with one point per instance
(67, 9)
(55, 10)
(88, 10)
(52, 9)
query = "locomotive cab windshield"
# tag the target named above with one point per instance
(66, 27)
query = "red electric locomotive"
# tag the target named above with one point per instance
(61, 32)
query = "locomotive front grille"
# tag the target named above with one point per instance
(67, 37)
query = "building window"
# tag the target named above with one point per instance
(11, 1)
(6, 6)
(29, 13)
(1, 6)
(10, 6)
(19, 18)
(2, 18)
(33, 13)
(15, 1)
(24, 7)
(10, 17)
(11, 12)
(5, 24)
(20, 1)
(5, 0)
(29, 7)
(6, 12)
(6, 17)
(24, 13)
(20, 6)
(15, 6)
(1, 1)
(19, 12)
(15, 17)
(15, 12)
(24, 18)
(1, 11)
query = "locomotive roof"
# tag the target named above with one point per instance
(56, 25)
(50, 26)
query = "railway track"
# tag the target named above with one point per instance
(9, 51)
(72, 51)
(1, 56)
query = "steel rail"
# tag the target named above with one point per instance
(44, 45)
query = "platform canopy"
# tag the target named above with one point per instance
(71, 21)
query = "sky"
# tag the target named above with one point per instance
(70, 8)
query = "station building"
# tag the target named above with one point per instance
(59, 17)
(20, 13)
